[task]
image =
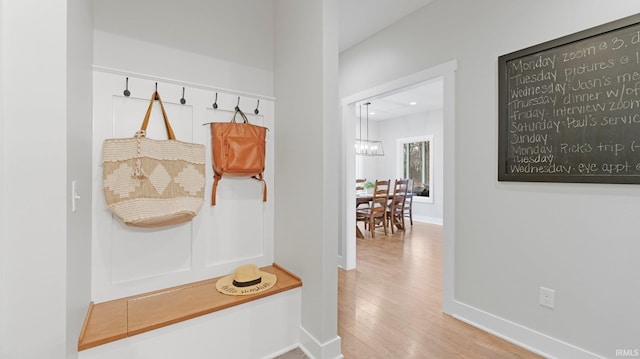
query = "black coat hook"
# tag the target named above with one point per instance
(156, 97)
(126, 89)
(215, 102)
(182, 100)
(238, 105)
(256, 111)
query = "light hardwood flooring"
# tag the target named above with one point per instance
(391, 305)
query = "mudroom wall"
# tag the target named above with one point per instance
(223, 44)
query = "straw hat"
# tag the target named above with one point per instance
(246, 279)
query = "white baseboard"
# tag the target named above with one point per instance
(519, 335)
(432, 220)
(312, 348)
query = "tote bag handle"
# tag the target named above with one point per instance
(167, 125)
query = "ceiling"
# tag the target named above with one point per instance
(359, 19)
(427, 96)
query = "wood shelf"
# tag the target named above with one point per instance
(120, 318)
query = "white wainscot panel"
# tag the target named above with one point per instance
(138, 253)
(239, 229)
(234, 227)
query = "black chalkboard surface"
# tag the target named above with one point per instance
(569, 109)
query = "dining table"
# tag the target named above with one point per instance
(363, 198)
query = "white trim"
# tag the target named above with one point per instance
(536, 342)
(402, 82)
(447, 72)
(4, 331)
(400, 142)
(347, 243)
(420, 199)
(314, 349)
(125, 73)
(341, 263)
(431, 220)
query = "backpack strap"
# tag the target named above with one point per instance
(216, 179)
(264, 186)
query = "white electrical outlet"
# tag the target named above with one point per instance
(547, 297)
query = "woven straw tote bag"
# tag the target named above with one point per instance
(153, 183)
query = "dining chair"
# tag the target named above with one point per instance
(408, 202)
(375, 216)
(395, 210)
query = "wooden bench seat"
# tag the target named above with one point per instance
(120, 318)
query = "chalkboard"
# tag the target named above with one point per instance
(569, 109)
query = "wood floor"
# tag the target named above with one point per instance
(391, 305)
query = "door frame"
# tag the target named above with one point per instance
(347, 245)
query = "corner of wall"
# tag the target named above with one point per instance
(79, 92)
(314, 349)
(3, 328)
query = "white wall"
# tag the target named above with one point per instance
(385, 167)
(369, 166)
(39, 89)
(225, 44)
(305, 47)
(79, 111)
(422, 124)
(3, 260)
(512, 238)
(208, 47)
(238, 230)
(307, 181)
(36, 65)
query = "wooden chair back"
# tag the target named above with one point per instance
(375, 215)
(395, 212)
(380, 196)
(408, 202)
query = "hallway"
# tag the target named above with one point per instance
(390, 306)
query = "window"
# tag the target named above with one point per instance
(415, 161)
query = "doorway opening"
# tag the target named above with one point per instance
(445, 75)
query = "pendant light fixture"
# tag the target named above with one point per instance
(366, 147)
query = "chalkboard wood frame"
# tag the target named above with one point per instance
(588, 139)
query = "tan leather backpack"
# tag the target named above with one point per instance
(238, 150)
